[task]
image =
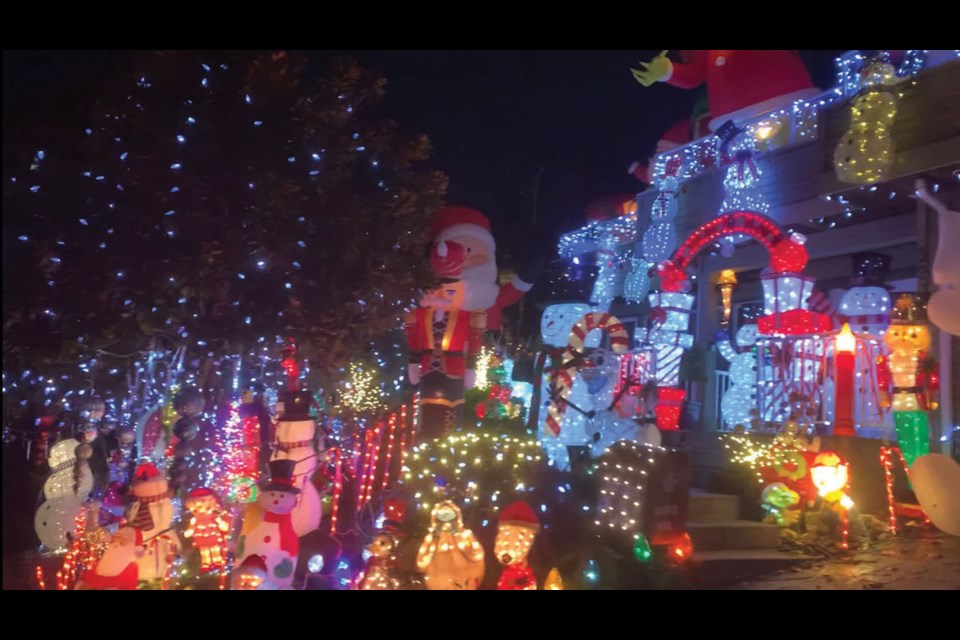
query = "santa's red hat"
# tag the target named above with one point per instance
(519, 514)
(453, 221)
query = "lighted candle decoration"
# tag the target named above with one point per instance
(844, 357)
(908, 337)
(725, 283)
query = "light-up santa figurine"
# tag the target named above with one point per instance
(515, 535)
(268, 526)
(117, 569)
(741, 84)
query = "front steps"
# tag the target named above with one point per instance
(727, 549)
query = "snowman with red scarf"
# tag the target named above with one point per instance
(268, 530)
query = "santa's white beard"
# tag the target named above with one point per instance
(480, 287)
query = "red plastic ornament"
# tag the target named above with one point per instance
(672, 278)
(788, 256)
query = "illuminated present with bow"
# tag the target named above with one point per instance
(785, 298)
(643, 490)
(676, 310)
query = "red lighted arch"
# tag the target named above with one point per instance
(755, 225)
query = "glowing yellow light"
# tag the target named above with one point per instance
(483, 369)
(361, 393)
(846, 342)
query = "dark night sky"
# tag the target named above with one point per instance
(496, 119)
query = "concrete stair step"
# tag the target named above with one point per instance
(733, 535)
(724, 569)
(748, 555)
(712, 507)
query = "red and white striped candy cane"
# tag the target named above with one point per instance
(570, 365)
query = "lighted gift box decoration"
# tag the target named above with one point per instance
(786, 291)
(667, 336)
(643, 495)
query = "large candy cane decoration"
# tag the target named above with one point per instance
(573, 357)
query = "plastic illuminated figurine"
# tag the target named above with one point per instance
(450, 556)
(865, 152)
(382, 568)
(208, 528)
(518, 528)
(268, 526)
(118, 568)
(908, 338)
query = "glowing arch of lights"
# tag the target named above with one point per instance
(755, 225)
(787, 254)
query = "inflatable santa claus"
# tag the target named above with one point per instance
(445, 334)
(741, 84)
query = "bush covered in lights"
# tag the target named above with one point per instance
(209, 200)
(478, 469)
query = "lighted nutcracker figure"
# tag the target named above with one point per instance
(518, 528)
(208, 528)
(907, 338)
(741, 84)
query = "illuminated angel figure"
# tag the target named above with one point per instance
(450, 556)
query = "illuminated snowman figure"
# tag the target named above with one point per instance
(865, 152)
(660, 238)
(741, 398)
(64, 494)
(866, 306)
(267, 529)
(295, 441)
(555, 326)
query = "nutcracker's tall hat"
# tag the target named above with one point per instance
(909, 308)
